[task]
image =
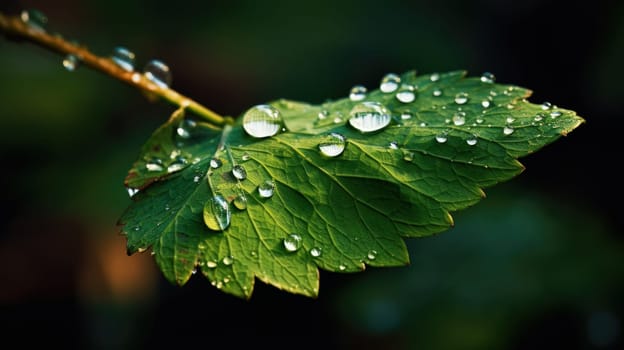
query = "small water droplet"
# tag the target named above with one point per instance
(508, 130)
(211, 264)
(316, 252)
(196, 178)
(132, 191)
(154, 164)
(357, 93)
(408, 156)
(459, 118)
(393, 145)
(510, 120)
(201, 246)
(369, 117)
(461, 98)
(332, 145)
(124, 58)
(406, 115)
(406, 94)
(342, 267)
(239, 172)
(141, 249)
(228, 260)
(193, 271)
(437, 92)
(472, 140)
(434, 77)
(158, 73)
(372, 254)
(441, 137)
(322, 115)
(546, 106)
(389, 83)
(292, 243)
(479, 120)
(240, 202)
(226, 279)
(217, 214)
(245, 157)
(35, 19)
(485, 103)
(266, 189)
(538, 117)
(422, 124)
(177, 164)
(262, 121)
(185, 129)
(71, 62)
(215, 163)
(555, 114)
(488, 77)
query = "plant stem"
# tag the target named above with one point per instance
(15, 28)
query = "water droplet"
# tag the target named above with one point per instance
(472, 140)
(332, 145)
(316, 252)
(178, 163)
(358, 93)
(508, 130)
(215, 163)
(461, 98)
(437, 92)
(371, 255)
(158, 73)
(292, 243)
(546, 106)
(35, 19)
(342, 267)
(240, 202)
(459, 118)
(226, 280)
(262, 121)
(538, 117)
(369, 117)
(485, 103)
(323, 114)
(488, 77)
(154, 164)
(185, 129)
(239, 172)
(406, 94)
(555, 114)
(193, 271)
(245, 157)
(434, 77)
(266, 189)
(406, 115)
(389, 83)
(211, 264)
(228, 260)
(422, 124)
(217, 214)
(441, 137)
(71, 62)
(201, 246)
(393, 145)
(408, 156)
(124, 58)
(479, 120)
(510, 120)
(196, 179)
(132, 191)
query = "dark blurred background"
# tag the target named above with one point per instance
(538, 264)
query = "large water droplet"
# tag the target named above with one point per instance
(158, 73)
(262, 121)
(389, 83)
(332, 145)
(459, 118)
(369, 117)
(71, 62)
(217, 214)
(266, 189)
(124, 58)
(292, 243)
(508, 130)
(35, 19)
(472, 140)
(488, 77)
(154, 164)
(357, 93)
(316, 252)
(461, 98)
(406, 94)
(239, 172)
(441, 137)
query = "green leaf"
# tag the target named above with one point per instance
(338, 213)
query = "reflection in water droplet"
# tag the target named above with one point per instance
(266, 189)
(228, 260)
(316, 252)
(441, 137)
(240, 202)
(262, 121)
(406, 94)
(217, 214)
(437, 92)
(508, 130)
(461, 98)
(472, 140)
(35, 19)
(71, 62)
(158, 73)
(124, 58)
(215, 163)
(459, 118)
(371, 255)
(292, 243)
(369, 117)
(389, 83)
(239, 172)
(332, 145)
(488, 77)
(357, 93)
